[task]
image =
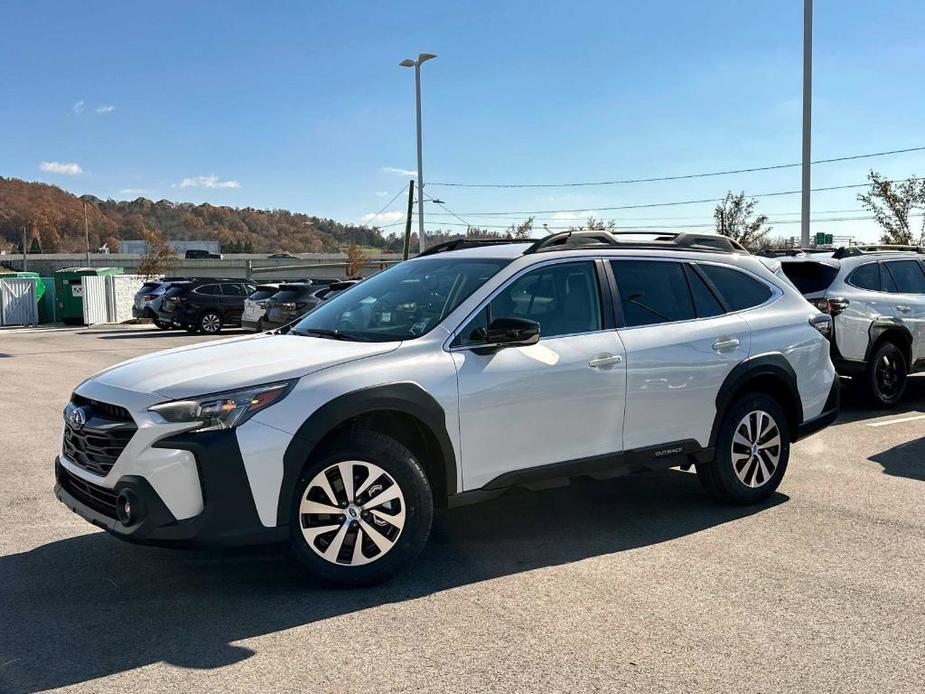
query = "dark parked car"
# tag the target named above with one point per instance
(207, 304)
(291, 301)
(283, 256)
(255, 306)
(148, 298)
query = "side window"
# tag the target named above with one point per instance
(866, 277)
(705, 302)
(210, 290)
(738, 290)
(652, 292)
(563, 298)
(908, 275)
(233, 290)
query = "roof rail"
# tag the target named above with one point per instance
(570, 240)
(457, 244)
(851, 251)
(778, 252)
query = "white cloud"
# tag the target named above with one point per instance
(401, 172)
(105, 108)
(79, 107)
(61, 167)
(384, 218)
(573, 216)
(211, 181)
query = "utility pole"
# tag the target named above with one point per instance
(407, 245)
(87, 234)
(23, 247)
(416, 64)
(807, 117)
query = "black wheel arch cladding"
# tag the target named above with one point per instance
(764, 367)
(404, 398)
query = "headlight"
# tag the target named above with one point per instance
(223, 410)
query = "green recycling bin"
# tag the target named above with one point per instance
(69, 291)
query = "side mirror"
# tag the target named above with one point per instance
(512, 332)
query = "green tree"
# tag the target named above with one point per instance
(893, 204)
(735, 217)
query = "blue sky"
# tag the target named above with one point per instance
(302, 105)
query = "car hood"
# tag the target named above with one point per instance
(235, 363)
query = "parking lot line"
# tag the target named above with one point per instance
(897, 421)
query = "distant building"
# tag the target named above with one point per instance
(140, 247)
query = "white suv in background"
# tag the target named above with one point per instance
(876, 296)
(448, 379)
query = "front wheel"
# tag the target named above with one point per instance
(361, 512)
(752, 450)
(210, 323)
(885, 378)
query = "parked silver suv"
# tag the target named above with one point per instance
(876, 297)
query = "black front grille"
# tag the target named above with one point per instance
(98, 498)
(96, 440)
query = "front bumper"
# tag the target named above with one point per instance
(229, 515)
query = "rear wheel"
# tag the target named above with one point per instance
(361, 512)
(752, 450)
(163, 324)
(210, 323)
(885, 379)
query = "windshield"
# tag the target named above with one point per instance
(401, 303)
(810, 278)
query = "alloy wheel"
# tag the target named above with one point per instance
(211, 323)
(756, 448)
(352, 513)
(888, 375)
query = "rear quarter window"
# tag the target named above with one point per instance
(810, 278)
(865, 277)
(738, 289)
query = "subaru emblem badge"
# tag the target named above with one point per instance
(77, 418)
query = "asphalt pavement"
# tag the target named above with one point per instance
(638, 584)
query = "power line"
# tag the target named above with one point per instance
(516, 217)
(438, 202)
(384, 207)
(708, 174)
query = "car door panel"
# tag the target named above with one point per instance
(908, 302)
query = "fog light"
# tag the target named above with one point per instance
(125, 508)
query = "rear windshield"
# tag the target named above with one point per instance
(290, 293)
(148, 286)
(176, 290)
(262, 294)
(810, 278)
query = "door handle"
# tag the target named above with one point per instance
(902, 308)
(726, 344)
(605, 360)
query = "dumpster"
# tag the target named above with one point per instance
(69, 290)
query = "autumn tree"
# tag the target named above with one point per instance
(159, 256)
(735, 217)
(356, 261)
(893, 204)
(522, 230)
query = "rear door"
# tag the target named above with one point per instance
(909, 300)
(681, 342)
(233, 301)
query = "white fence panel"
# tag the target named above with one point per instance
(17, 301)
(121, 296)
(96, 307)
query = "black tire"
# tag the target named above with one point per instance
(163, 324)
(191, 329)
(211, 322)
(886, 375)
(416, 503)
(721, 477)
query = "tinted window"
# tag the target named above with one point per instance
(705, 302)
(290, 294)
(177, 290)
(210, 290)
(810, 278)
(908, 275)
(262, 294)
(652, 292)
(866, 277)
(233, 290)
(738, 290)
(563, 298)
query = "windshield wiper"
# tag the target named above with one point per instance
(331, 334)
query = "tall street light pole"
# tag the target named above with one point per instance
(807, 117)
(416, 64)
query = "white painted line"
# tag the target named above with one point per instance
(897, 421)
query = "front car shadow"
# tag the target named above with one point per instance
(905, 460)
(91, 606)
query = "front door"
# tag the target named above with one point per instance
(556, 401)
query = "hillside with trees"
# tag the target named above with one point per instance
(53, 220)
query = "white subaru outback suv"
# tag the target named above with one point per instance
(876, 297)
(448, 379)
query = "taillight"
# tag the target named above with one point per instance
(149, 297)
(823, 323)
(288, 305)
(832, 306)
(262, 304)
